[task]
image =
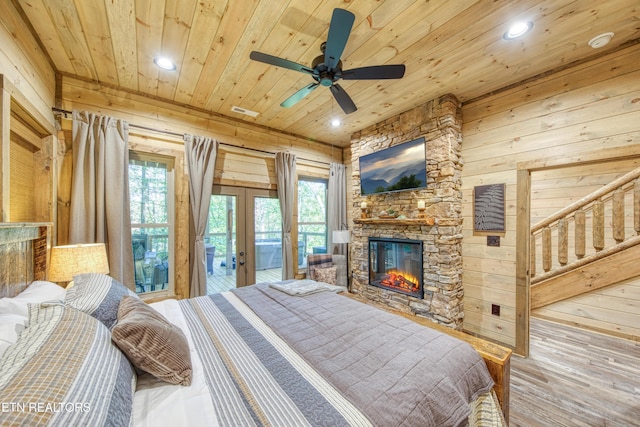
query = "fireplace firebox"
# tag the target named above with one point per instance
(396, 264)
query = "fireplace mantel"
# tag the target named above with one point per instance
(430, 221)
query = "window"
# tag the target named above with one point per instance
(312, 217)
(151, 205)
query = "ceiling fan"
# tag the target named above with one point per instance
(326, 69)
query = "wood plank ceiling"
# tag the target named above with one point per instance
(447, 46)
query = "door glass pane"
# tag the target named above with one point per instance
(220, 244)
(268, 239)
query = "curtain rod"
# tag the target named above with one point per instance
(180, 135)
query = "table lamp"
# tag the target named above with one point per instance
(67, 261)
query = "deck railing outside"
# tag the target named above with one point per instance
(311, 241)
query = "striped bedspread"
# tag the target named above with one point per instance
(254, 377)
(275, 359)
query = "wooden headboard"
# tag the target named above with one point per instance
(24, 248)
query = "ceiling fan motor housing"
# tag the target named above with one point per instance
(323, 75)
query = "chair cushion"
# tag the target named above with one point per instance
(326, 275)
(316, 261)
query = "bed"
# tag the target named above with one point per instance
(261, 355)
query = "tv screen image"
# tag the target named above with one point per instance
(397, 168)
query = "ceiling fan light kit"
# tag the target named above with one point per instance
(326, 69)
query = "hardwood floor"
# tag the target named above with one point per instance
(575, 378)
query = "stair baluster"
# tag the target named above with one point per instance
(581, 240)
(598, 225)
(563, 241)
(618, 215)
(546, 248)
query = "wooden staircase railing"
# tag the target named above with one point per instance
(586, 220)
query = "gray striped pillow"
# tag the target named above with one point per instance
(98, 295)
(64, 370)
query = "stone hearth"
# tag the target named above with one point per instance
(440, 122)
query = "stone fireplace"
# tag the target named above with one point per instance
(439, 293)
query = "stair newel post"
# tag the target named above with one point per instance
(563, 241)
(546, 248)
(598, 225)
(580, 229)
(618, 215)
(636, 205)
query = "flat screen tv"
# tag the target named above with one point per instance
(397, 168)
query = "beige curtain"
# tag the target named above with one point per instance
(100, 190)
(200, 153)
(286, 174)
(336, 204)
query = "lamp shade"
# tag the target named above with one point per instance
(341, 236)
(67, 261)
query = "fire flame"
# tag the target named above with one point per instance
(400, 279)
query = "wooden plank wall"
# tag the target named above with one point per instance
(590, 107)
(23, 256)
(22, 186)
(26, 123)
(235, 164)
(24, 64)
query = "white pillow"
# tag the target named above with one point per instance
(41, 291)
(14, 312)
(13, 306)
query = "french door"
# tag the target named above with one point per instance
(244, 238)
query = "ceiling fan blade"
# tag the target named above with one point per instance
(296, 97)
(343, 99)
(279, 62)
(339, 30)
(376, 72)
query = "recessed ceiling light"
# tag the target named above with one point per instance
(164, 63)
(335, 123)
(518, 29)
(601, 40)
